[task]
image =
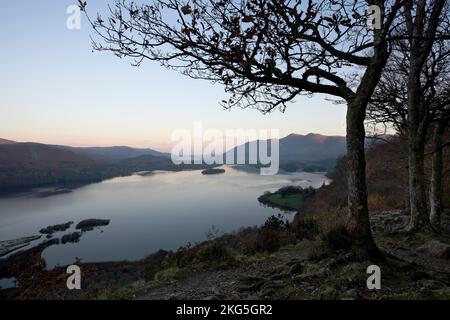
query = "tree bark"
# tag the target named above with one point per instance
(436, 188)
(418, 200)
(407, 199)
(358, 225)
(418, 113)
(416, 148)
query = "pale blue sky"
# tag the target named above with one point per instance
(54, 89)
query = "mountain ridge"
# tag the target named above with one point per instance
(29, 164)
(5, 141)
(310, 152)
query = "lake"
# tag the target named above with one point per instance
(163, 210)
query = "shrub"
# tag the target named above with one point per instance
(306, 229)
(184, 256)
(275, 223)
(268, 240)
(153, 264)
(167, 274)
(290, 190)
(271, 236)
(215, 254)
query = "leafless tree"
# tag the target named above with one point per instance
(423, 20)
(412, 91)
(266, 53)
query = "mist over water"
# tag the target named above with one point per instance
(163, 210)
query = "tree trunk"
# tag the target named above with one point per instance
(436, 189)
(416, 148)
(421, 26)
(407, 199)
(417, 193)
(358, 225)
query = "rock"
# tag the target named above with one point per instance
(56, 227)
(71, 237)
(89, 224)
(389, 221)
(213, 171)
(20, 260)
(9, 246)
(436, 249)
(426, 285)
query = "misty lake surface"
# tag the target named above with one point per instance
(163, 210)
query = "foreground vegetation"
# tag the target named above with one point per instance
(280, 260)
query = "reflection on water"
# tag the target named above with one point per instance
(162, 210)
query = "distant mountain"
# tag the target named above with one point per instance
(311, 152)
(147, 162)
(35, 164)
(4, 141)
(36, 155)
(24, 164)
(311, 147)
(115, 154)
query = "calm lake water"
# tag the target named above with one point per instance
(161, 211)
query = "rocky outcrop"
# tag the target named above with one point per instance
(9, 246)
(71, 237)
(56, 227)
(213, 171)
(89, 224)
(389, 221)
(436, 249)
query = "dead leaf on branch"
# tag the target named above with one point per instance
(186, 9)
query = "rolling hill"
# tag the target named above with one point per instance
(30, 164)
(311, 147)
(311, 152)
(4, 141)
(35, 164)
(116, 153)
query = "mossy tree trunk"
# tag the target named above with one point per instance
(358, 225)
(436, 187)
(417, 127)
(422, 29)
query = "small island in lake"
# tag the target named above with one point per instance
(213, 171)
(89, 224)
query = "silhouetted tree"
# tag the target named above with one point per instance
(413, 92)
(266, 53)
